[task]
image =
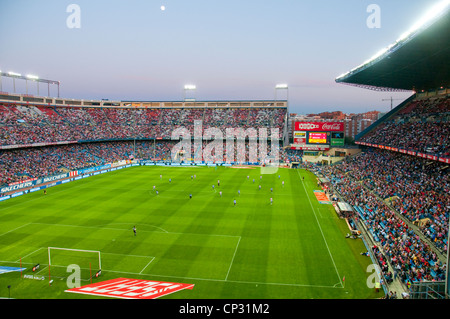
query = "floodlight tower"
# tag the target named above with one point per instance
(284, 86)
(188, 87)
(34, 78)
(14, 75)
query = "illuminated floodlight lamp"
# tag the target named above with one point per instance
(14, 74)
(190, 87)
(435, 12)
(343, 75)
(281, 86)
(32, 77)
(376, 56)
(432, 14)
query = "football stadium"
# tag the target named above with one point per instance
(224, 199)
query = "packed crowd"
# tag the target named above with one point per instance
(20, 164)
(34, 162)
(418, 190)
(422, 126)
(37, 124)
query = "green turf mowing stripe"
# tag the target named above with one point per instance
(295, 248)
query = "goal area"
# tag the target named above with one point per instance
(63, 261)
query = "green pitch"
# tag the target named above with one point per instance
(292, 248)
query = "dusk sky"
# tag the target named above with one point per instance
(231, 50)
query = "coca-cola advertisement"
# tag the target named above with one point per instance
(320, 126)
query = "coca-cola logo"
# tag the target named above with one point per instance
(331, 127)
(317, 126)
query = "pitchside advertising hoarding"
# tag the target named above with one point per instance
(443, 159)
(318, 136)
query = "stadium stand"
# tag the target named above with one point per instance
(421, 126)
(367, 180)
(29, 124)
(399, 184)
(93, 136)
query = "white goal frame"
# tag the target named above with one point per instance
(79, 250)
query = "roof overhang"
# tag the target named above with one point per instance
(419, 61)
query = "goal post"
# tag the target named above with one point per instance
(60, 258)
(179, 156)
(94, 252)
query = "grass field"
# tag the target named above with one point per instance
(294, 248)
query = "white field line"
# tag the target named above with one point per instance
(147, 265)
(190, 278)
(15, 229)
(23, 257)
(321, 231)
(145, 231)
(57, 190)
(232, 260)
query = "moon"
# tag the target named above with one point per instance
(163, 8)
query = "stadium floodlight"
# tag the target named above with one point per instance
(378, 54)
(343, 75)
(282, 86)
(190, 87)
(431, 15)
(17, 76)
(434, 13)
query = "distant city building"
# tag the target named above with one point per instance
(355, 123)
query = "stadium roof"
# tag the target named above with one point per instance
(418, 61)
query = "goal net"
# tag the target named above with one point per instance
(270, 165)
(179, 156)
(63, 261)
